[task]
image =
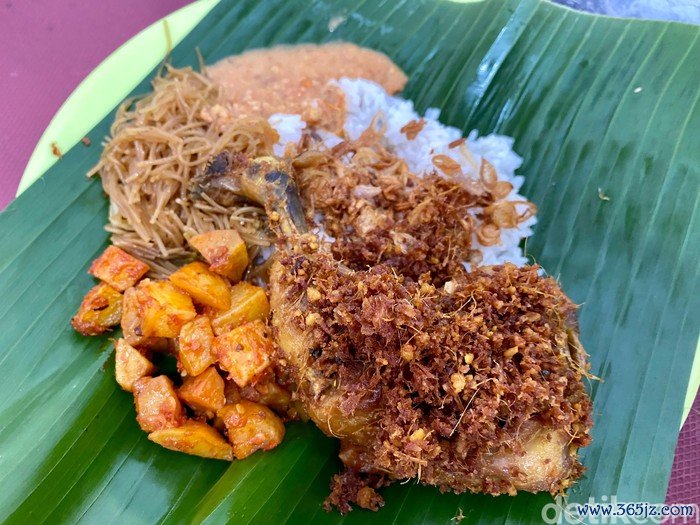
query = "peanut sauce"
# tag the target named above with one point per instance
(294, 79)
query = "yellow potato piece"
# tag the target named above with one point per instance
(193, 437)
(251, 427)
(130, 365)
(195, 342)
(244, 352)
(166, 309)
(269, 394)
(248, 303)
(135, 301)
(205, 392)
(100, 309)
(118, 269)
(157, 404)
(224, 250)
(205, 287)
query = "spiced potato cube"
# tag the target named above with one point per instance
(224, 250)
(204, 393)
(130, 365)
(248, 303)
(195, 345)
(100, 309)
(196, 438)
(204, 286)
(118, 269)
(244, 352)
(250, 427)
(157, 404)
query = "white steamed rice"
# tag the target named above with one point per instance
(366, 100)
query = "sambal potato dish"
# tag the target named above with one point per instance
(225, 403)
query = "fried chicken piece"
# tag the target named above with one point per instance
(478, 390)
(475, 384)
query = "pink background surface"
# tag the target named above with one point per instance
(49, 46)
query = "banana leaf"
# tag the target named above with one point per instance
(605, 112)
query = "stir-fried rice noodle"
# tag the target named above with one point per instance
(157, 144)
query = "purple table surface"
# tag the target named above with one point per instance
(49, 46)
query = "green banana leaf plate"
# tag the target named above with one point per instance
(605, 113)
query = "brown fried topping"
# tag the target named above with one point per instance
(413, 128)
(458, 374)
